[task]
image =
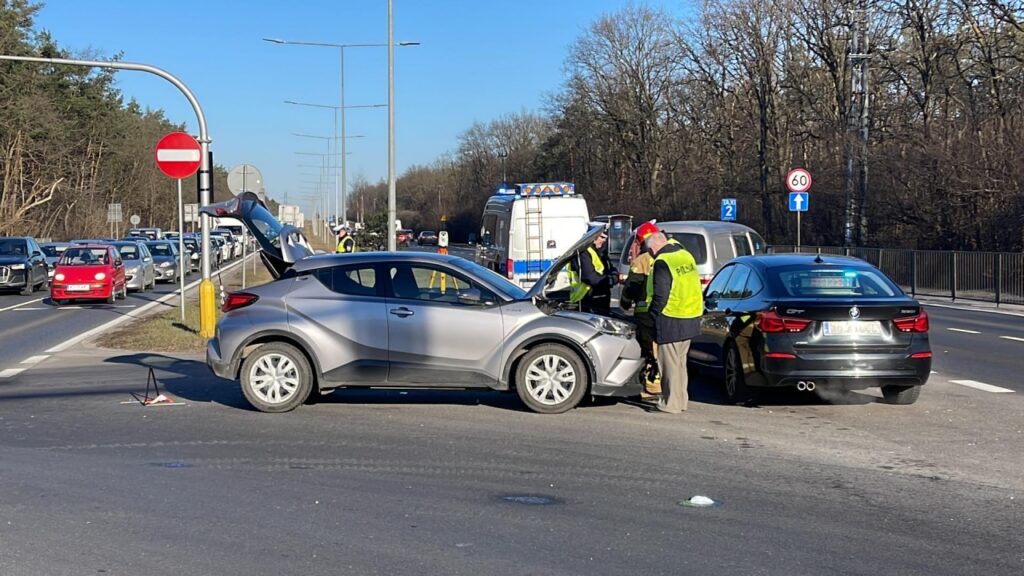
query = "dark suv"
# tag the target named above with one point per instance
(22, 265)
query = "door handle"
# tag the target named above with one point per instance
(402, 312)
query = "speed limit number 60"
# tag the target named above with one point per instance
(798, 180)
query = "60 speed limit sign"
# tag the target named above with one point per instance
(798, 180)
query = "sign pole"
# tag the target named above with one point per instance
(181, 250)
(798, 231)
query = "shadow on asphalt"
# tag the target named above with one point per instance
(190, 379)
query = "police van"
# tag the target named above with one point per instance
(525, 226)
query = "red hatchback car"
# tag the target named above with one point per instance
(90, 272)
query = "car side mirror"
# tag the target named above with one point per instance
(711, 301)
(36, 254)
(470, 297)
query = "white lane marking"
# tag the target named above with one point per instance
(981, 386)
(28, 309)
(20, 305)
(35, 359)
(1014, 338)
(963, 330)
(133, 314)
(11, 372)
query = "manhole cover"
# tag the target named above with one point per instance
(531, 499)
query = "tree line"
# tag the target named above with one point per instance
(70, 145)
(662, 117)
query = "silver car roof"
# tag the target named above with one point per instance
(701, 225)
(326, 260)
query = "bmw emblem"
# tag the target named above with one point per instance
(854, 312)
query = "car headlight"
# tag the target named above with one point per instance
(58, 277)
(100, 276)
(17, 266)
(133, 270)
(603, 324)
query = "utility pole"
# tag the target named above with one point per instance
(857, 123)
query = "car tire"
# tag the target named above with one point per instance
(551, 379)
(263, 390)
(29, 288)
(734, 382)
(124, 291)
(113, 296)
(900, 395)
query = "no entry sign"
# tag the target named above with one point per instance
(178, 155)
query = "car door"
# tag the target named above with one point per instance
(436, 336)
(713, 324)
(148, 268)
(340, 312)
(40, 269)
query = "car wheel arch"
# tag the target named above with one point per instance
(525, 346)
(250, 344)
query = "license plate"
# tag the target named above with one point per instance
(848, 328)
(78, 288)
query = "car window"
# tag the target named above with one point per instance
(720, 281)
(84, 257)
(350, 280)
(723, 247)
(129, 251)
(738, 280)
(54, 251)
(421, 282)
(754, 285)
(742, 245)
(759, 246)
(161, 249)
(488, 229)
(694, 244)
(808, 282)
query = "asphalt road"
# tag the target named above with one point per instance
(977, 345)
(447, 482)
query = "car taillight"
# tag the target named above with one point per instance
(771, 323)
(705, 279)
(510, 269)
(236, 300)
(917, 323)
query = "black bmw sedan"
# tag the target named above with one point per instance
(812, 322)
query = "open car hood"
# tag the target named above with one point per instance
(549, 278)
(281, 245)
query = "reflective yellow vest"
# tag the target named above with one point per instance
(346, 245)
(578, 288)
(643, 264)
(685, 299)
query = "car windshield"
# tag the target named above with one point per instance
(84, 257)
(12, 247)
(802, 281)
(53, 251)
(161, 249)
(499, 282)
(129, 251)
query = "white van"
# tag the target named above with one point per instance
(524, 227)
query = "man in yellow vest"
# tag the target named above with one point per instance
(346, 243)
(677, 304)
(635, 292)
(591, 276)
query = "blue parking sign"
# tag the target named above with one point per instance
(728, 209)
(798, 201)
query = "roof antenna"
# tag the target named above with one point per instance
(817, 259)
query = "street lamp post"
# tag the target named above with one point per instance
(341, 199)
(207, 312)
(341, 49)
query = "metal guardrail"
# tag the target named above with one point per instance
(982, 276)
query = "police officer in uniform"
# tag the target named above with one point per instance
(346, 243)
(677, 304)
(592, 277)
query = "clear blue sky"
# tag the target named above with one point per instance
(478, 59)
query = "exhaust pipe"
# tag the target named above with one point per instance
(810, 386)
(801, 385)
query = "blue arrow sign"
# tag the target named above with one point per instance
(798, 201)
(728, 209)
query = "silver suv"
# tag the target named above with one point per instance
(409, 320)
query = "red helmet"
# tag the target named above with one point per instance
(645, 230)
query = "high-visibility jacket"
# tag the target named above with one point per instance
(578, 289)
(346, 245)
(685, 299)
(639, 269)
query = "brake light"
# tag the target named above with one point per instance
(510, 269)
(771, 323)
(921, 355)
(705, 279)
(236, 300)
(917, 323)
(783, 355)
